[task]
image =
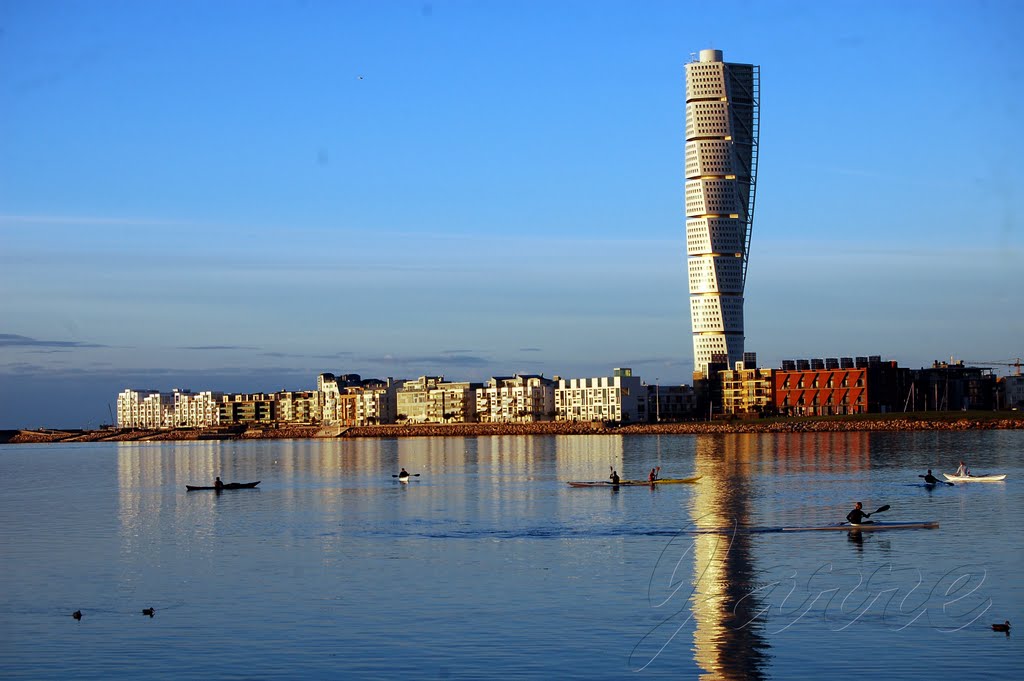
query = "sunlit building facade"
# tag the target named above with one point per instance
(722, 113)
(243, 409)
(145, 409)
(196, 410)
(519, 398)
(621, 397)
(746, 391)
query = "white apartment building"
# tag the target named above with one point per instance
(722, 114)
(196, 410)
(516, 399)
(378, 404)
(621, 397)
(299, 406)
(413, 398)
(349, 400)
(453, 402)
(428, 399)
(145, 409)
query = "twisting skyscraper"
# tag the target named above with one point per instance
(722, 114)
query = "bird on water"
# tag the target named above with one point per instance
(1005, 626)
(148, 611)
(77, 614)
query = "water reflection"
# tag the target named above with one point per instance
(728, 637)
(781, 453)
(588, 457)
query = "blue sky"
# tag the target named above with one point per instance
(241, 195)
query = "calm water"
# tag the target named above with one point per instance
(489, 565)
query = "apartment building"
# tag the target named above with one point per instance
(301, 406)
(453, 402)
(413, 398)
(370, 403)
(668, 403)
(330, 388)
(196, 410)
(845, 385)
(951, 386)
(145, 409)
(516, 399)
(1013, 392)
(746, 391)
(429, 399)
(245, 408)
(620, 398)
(378, 403)
(821, 392)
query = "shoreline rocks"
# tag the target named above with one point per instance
(952, 421)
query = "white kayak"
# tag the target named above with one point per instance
(952, 477)
(863, 527)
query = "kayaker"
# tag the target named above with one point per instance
(929, 478)
(614, 477)
(653, 475)
(963, 471)
(403, 473)
(857, 515)
(217, 484)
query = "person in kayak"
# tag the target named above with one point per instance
(653, 475)
(403, 473)
(963, 471)
(929, 478)
(614, 477)
(217, 484)
(857, 515)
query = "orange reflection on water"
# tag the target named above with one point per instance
(727, 638)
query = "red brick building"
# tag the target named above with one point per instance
(821, 392)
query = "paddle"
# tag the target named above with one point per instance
(880, 509)
(412, 475)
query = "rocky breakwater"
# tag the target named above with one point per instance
(950, 421)
(479, 429)
(883, 424)
(834, 424)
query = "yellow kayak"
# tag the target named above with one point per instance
(635, 483)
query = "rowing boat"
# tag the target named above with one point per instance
(228, 485)
(864, 527)
(635, 483)
(973, 478)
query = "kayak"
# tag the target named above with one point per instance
(863, 527)
(227, 485)
(973, 478)
(635, 483)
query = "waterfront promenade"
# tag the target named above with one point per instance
(870, 422)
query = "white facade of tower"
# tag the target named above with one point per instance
(722, 111)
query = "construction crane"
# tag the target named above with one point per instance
(1003, 363)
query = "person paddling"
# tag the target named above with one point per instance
(929, 478)
(653, 475)
(963, 471)
(403, 474)
(614, 477)
(217, 484)
(857, 515)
